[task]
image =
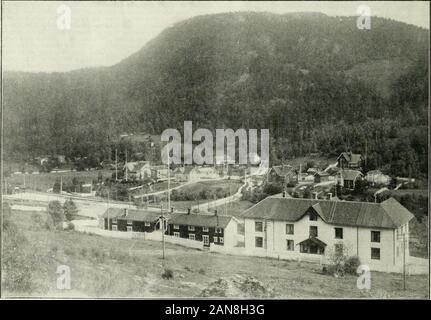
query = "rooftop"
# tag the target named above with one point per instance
(201, 220)
(388, 214)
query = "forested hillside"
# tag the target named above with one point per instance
(317, 82)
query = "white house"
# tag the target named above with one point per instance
(311, 229)
(376, 177)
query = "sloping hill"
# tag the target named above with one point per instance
(293, 74)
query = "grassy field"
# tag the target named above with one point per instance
(232, 185)
(109, 267)
(43, 181)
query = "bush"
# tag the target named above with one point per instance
(70, 226)
(55, 210)
(167, 274)
(201, 271)
(70, 209)
(351, 265)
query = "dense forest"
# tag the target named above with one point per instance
(317, 82)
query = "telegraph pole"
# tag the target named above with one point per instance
(162, 224)
(169, 185)
(116, 166)
(126, 164)
(404, 261)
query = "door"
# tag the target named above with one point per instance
(206, 240)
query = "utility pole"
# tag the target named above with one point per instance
(162, 225)
(404, 261)
(169, 185)
(116, 166)
(61, 184)
(108, 211)
(126, 165)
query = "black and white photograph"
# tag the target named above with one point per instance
(215, 150)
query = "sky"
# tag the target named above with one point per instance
(36, 36)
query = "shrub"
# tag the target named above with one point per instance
(167, 274)
(351, 265)
(70, 209)
(55, 210)
(202, 271)
(70, 226)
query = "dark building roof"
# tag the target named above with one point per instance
(133, 215)
(283, 170)
(313, 240)
(350, 174)
(200, 220)
(388, 214)
(350, 157)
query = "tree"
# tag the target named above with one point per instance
(56, 212)
(70, 209)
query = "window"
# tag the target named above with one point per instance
(375, 253)
(375, 236)
(176, 226)
(129, 222)
(114, 228)
(290, 229)
(206, 239)
(290, 246)
(339, 248)
(147, 224)
(114, 220)
(259, 242)
(191, 236)
(176, 234)
(129, 228)
(338, 233)
(205, 229)
(191, 228)
(218, 230)
(221, 240)
(313, 216)
(215, 239)
(258, 226)
(313, 231)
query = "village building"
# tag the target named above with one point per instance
(349, 160)
(312, 230)
(182, 174)
(204, 173)
(160, 173)
(138, 170)
(322, 176)
(210, 229)
(130, 220)
(376, 177)
(348, 178)
(282, 174)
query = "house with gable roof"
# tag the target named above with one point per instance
(312, 229)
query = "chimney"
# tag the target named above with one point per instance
(284, 194)
(215, 213)
(188, 210)
(126, 212)
(172, 209)
(329, 196)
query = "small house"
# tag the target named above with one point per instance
(376, 177)
(348, 178)
(282, 174)
(349, 160)
(321, 177)
(129, 220)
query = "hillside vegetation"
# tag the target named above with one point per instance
(317, 82)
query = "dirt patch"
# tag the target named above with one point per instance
(239, 287)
